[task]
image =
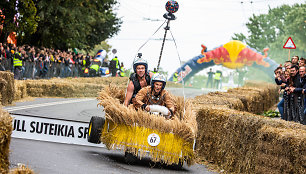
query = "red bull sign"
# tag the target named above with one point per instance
(234, 54)
(182, 74)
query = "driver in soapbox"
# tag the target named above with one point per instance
(151, 98)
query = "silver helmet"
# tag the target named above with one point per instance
(140, 61)
(158, 78)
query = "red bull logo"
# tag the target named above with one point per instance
(234, 54)
(184, 73)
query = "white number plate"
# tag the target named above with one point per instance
(153, 139)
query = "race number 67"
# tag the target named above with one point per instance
(153, 139)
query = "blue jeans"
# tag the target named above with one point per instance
(280, 107)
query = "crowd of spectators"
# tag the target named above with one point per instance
(292, 81)
(43, 62)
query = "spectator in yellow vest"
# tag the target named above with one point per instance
(17, 62)
(175, 75)
(122, 70)
(217, 78)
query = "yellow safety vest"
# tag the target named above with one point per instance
(17, 62)
(117, 62)
(95, 67)
(122, 73)
(175, 77)
(218, 76)
(84, 65)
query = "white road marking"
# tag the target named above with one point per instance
(16, 108)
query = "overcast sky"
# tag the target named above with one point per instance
(208, 22)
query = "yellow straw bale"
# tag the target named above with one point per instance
(6, 87)
(293, 142)
(5, 138)
(20, 90)
(237, 140)
(280, 163)
(219, 98)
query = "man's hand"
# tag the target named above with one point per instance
(147, 108)
(291, 89)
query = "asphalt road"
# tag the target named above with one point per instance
(48, 157)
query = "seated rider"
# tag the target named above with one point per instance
(139, 79)
(155, 95)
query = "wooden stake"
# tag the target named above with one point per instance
(289, 56)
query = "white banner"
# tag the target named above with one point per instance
(52, 130)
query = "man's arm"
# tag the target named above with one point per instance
(139, 100)
(169, 102)
(129, 93)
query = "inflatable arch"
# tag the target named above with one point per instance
(233, 54)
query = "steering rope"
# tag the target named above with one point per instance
(179, 57)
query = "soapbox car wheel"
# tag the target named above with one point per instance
(130, 158)
(95, 129)
(179, 166)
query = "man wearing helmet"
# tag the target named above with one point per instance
(139, 79)
(155, 95)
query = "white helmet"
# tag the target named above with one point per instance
(140, 61)
(158, 78)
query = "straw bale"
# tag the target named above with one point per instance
(62, 89)
(272, 162)
(6, 87)
(234, 139)
(293, 142)
(22, 169)
(5, 138)
(263, 170)
(20, 90)
(219, 98)
(259, 99)
(117, 81)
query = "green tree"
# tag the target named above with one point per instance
(273, 29)
(20, 17)
(75, 23)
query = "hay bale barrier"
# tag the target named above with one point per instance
(68, 87)
(6, 87)
(5, 139)
(233, 137)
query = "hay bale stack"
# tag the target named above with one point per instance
(6, 87)
(219, 98)
(257, 100)
(250, 99)
(136, 124)
(59, 89)
(241, 142)
(226, 137)
(68, 87)
(281, 150)
(118, 81)
(20, 90)
(5, 138)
